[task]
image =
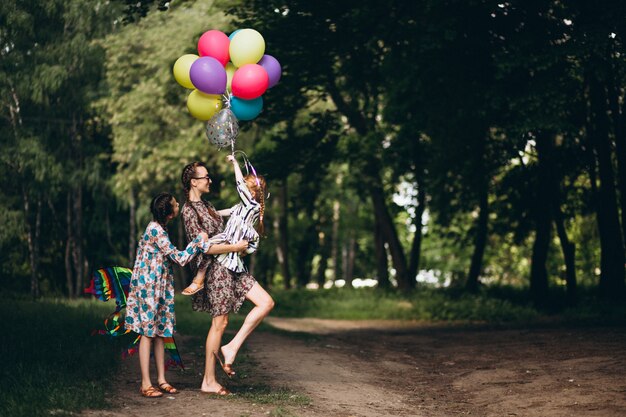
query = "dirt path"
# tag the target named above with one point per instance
(382, 368)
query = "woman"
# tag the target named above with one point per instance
(224, 291)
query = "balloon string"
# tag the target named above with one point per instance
(227, 98)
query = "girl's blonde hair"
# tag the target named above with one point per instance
(258, 186)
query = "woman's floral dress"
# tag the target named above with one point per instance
(224, 291)
(150, 303)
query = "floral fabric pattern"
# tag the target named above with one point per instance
(150, 303)
(224, 291)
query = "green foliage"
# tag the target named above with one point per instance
(51, 361)
(423, 304)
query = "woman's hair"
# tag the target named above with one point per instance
(189, 172)
(258, 186)
(162, 207)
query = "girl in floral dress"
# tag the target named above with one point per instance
(150, 303)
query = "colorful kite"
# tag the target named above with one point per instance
(112, 283)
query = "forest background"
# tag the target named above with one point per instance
(469, 145)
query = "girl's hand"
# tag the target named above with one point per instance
(203, 236)
(241, 245)
(231, 158)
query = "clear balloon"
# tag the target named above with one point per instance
(222, 129)
(181, 70)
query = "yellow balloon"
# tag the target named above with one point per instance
(203, 106)
(246, 47)
(230, 71)
(181, 70)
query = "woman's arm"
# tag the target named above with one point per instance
(220, 248)
(225, 212)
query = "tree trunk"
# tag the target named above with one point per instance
(416, 246)
(280, 226)
(552, 179)
(303, 265)
(611, 240)
(569, 255)
(543, 221)
(33, 243)
(324, 252)
(538, 271)
(348, 251)
(619, 128)
(382, 270)
(69, 281)
(132, 228)
(480, 241)
(334, 251)
(78, 253)
(389, 233)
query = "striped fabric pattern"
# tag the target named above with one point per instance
(240, 226)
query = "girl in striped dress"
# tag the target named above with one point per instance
(240, 225)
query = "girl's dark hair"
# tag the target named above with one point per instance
(161, 207)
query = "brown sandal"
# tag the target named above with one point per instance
(150, 392)
(192, 289)
(226, 367)
(222, 391)
(165, 387)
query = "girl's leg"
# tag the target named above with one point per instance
(144, 361)
(213, 341)
(263, 304)
(159, 359)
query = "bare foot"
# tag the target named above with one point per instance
(229, 355)
(213, 387)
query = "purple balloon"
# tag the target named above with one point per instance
(272, 67)
(208, 75)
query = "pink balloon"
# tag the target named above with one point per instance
(250, 81)
(214, 44)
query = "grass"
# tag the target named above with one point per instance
(425, 304)
(492, 305)
(51, 363)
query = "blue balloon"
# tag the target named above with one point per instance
(230, 37)
(246, 109)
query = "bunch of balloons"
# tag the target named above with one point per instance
(235, 66)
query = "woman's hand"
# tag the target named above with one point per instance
(231, 159)
(241, 245)
(203, 236)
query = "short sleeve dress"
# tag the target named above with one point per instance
(224, 291)
(150, 302)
